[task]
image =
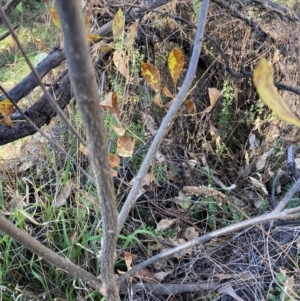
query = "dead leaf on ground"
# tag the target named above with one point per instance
(254, 143)
(190, 106)
(167, 93)
(105, 48)
(151, 76)
(114, 160)
(62, 194)
(119, 131)
(165, 224)
(190, 233)
(125, 146)
(111, 102)
(161, 275)
(128, 260)
(258, 184)
(156, 100)
(214, 95)
(261, 162)
(121, 64)
(146, 275)
(93, 38)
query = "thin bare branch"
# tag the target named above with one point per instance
(277, 213)
(164, 127)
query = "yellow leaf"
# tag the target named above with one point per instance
(118, 24)
(175, 63)
(6, 108)
(151, 76)
(125, 146)
(263, 81)
(92, 38)
(83, 149)
(55, 18)
(214, 95)
(119, 131)
(111, 102)
(121, 64)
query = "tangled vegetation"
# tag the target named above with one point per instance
(226, 157)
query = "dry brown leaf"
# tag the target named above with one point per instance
(119, 131)
(111, 102)
(167, 92)
(93, 38)
(190, 233)
(190, 106)
(105, 48)
(214, 95)
(6, 121)
(145, 275)
(261, 162)
(156, 100)
(121, 64)
(114, 160)
(165, 224)
(62, 194)
(128, 260)
(258, 184)
(125, 146)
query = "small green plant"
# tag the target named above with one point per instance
(282, 291)
(255, 112)
(226, 114)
